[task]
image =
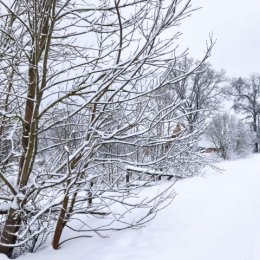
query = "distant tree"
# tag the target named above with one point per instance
(230, 136)
(246, 99)
(200, 91)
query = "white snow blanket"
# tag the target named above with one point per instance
(214, 217)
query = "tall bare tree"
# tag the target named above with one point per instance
(77, 83)
(246, 94)
(200, 91)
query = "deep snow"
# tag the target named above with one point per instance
(214, 217)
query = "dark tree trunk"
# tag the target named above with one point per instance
(256, 149)
(60, 224)
(90, 194)
(8, 236)
(13, 220)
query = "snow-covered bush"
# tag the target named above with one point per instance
(231, 137)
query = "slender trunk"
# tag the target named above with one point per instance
(90, 194)
(190, 122)
(64, 213)
(256, 148)
(127, 178)
(60, 224)
(63, 219)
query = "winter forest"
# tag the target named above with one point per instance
(102, 115)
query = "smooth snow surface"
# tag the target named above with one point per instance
(215, 217)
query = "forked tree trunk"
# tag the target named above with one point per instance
(64, 216)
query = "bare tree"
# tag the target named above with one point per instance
(200, 91)
(78, 82)
(246, 94)
(230, 136)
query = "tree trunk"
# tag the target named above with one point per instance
(8, 236)
(60, 224)
(90, 195)
(30, 125)
(29, 139)
(256, 149)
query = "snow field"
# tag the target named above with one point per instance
(214, 217)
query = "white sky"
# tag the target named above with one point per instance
(236, 26)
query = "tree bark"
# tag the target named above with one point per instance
(60, 224)
(8, 236)
(13, 222)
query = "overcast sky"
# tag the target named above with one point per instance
(236, 26)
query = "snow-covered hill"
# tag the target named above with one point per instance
(214, 217)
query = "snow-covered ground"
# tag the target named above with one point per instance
(214, 217)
